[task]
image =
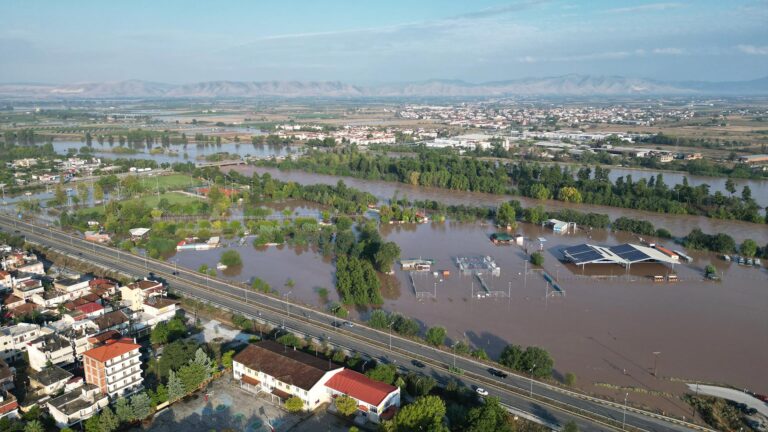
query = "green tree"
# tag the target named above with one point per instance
(386, 256)
(512, 356)
(231, 258)
(570, 379)
(226, 359)
(98, 192)
(379, 319)
(108, 420)
(537, 259)
(294, 404)
(124, 410)
(569, 194)
(490, 416)
(571, 426)
(383, 372)
(424, 414)
(34, 426)
(538, 360)
(418, 384)
(175, 388)
(93, 424)
(748, 248)
(505, 215)
(436, 335)
(730, 186)
(259, 284)
(159, 334)
(140, 404)
(175, 355)
(345, 405)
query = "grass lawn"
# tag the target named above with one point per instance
(171, 181)
(150, 201)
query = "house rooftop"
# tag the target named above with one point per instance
(284, 364)
(50, 375)
(111, 350)
(111, 319)
(72, 402)
(360, 387)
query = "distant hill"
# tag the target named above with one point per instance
(567, 85)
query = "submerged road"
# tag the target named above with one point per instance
(548, 404)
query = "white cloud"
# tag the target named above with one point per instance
(646, 8)
(668, 51)
(753, 49)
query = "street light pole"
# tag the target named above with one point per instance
(531, 372)
(288, 304)
(624, 418)
(390, 334)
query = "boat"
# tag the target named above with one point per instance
(727, 257)
(221, 266)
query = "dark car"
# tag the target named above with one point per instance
(497, 373)
(417, 363)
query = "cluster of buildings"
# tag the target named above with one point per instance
(29, 171)
(493, 116)
(360, 135)
(80, 345)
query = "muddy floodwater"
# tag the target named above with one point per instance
(604, 329)
(601, 323)
(678, 225)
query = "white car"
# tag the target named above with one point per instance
(481, 391)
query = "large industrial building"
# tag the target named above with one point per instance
(624, 255)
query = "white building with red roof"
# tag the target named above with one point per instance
(114, 367)
(377, 400)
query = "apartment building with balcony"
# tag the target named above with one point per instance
(114, 367)
(77, 405)
(13, 340)
(134, 295)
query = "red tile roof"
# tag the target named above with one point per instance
(104, 336)
(360, 387)
(109, 351)
(90, 308)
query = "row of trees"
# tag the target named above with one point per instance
(587, 185)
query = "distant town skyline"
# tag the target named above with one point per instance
(371, 43)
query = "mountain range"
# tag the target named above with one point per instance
(567, 85)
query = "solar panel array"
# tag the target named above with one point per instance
(582, 253)
(629, 253)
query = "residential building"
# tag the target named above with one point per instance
(97, 237)
(6, 376)
(77, 405)
(283, 372)
(375, 400)
(9, 407)
(25, 287)
(115, 320)
(114, 367)
(49, 380)
(13, 340)
(134, 295)
(157, 310)
(50, 349)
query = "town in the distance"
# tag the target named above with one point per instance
(267, 228)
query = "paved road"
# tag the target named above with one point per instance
(550, 404)
(731, 394)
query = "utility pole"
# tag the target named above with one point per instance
(531, 372)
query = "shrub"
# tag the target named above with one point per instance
(537, 259)
(294, 404)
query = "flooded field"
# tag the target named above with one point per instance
(605, 330)
(192, 151)
(678, 225)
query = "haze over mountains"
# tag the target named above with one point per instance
(567, 85)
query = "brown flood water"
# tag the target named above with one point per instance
(603, 330)
(678, 225)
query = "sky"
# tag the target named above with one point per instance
(375, 42)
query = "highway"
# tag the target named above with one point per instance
(548, 404)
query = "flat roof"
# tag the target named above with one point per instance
(623, 254)
(50, 375)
